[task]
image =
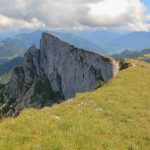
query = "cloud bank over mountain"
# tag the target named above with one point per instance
(73, 14)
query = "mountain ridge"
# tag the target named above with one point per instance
(20, 43)
(46, 76)
(143, 55)
(134, 41)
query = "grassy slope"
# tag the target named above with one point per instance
(115, 117)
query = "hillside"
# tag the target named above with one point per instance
(8, 49)
(7, 67)
(134, 41)
(143, 55)
(115, 116)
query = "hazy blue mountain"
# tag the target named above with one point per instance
(25, 40)
(143, 55)
(9, 50)
(8, 34)
(78, 41)
(105, 42)
(134, 41)
(17, 46)
(8, 66)
(99, 37)
(13, 33)
(126, 54)
(5, 59)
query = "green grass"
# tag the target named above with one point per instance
(114, 117)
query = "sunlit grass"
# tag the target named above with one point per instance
(114, 117)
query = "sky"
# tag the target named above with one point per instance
(130, 15)
(147, 4)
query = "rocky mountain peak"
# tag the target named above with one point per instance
(54, 72)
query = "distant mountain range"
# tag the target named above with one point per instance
(105, 42)
(17, 46)
(134, 41)
(115, 42)
(7, 67)
(100, 38)
(143, 55)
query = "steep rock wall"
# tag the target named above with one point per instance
(54, 72)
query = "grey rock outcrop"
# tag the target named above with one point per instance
(54, 72)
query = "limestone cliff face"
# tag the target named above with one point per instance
(54, 72)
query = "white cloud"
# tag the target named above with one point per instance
(73, 14)
(10, 24)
